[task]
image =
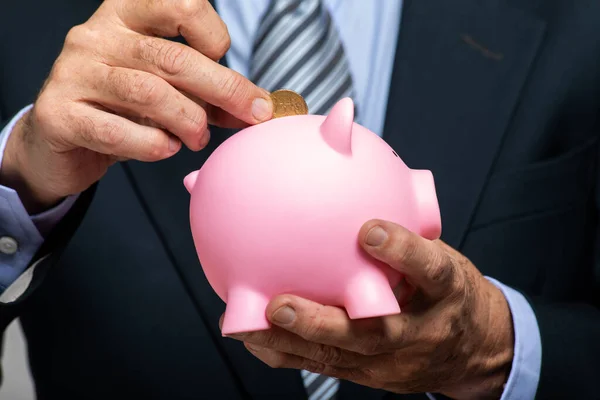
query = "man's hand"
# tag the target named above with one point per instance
(454, 335)
(119, 90)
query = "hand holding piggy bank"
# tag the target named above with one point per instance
(278, 206)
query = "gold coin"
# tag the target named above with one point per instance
(287, 103)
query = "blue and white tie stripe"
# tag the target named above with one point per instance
(319, 387)
(297, 47)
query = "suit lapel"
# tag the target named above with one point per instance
(460, 67)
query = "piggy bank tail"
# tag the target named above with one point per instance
(430, 224)
(190, 181)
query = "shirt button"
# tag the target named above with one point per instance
(8, 245)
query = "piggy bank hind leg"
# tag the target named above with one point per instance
(369, 294)
(245, 311)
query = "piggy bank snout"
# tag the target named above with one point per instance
(430, 224)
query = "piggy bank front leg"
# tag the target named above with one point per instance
(245, 311)
(369, 294)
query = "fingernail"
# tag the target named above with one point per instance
(261, 109)
(173, 144)
(205, 138)
(284, 315)
(376, 236)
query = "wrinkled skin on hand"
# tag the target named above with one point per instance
(454, 334)
(121, 90)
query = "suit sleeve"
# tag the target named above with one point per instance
(15, 297)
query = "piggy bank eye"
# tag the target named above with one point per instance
(396, 154)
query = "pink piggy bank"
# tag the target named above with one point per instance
(278, 206)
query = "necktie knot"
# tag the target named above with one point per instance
(297, 47)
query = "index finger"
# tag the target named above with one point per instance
(193, 73)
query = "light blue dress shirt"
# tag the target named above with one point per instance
(369, 31)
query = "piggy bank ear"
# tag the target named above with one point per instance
(337, 128)
(190, 181)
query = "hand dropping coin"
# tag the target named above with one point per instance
(287, 103)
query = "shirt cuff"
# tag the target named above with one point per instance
(48, 219)
(21, 234)
(19, 238)
(525, 372)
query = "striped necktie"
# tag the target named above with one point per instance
(297, 47)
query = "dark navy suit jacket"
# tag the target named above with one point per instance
(499, 98)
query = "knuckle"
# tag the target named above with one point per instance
(270, 341)
(406, 247)
(371, 345)
(53, 119)
(111, 134)
(43, 111)
(451, 329)
(317, 328)
(232, 89)
(328, 354)
(196, 117)
(61, 71)
(76, 36)
(170, 58)
(439, 271)
(436, 273)
(86, 129)
(175, 59)
(221, 46)
(139, 88)
(146, 49)
(118, 83)
(460, 284)
(146, 90)
(190, 8)
(314, 366)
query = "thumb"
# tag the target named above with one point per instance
(424, 263)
